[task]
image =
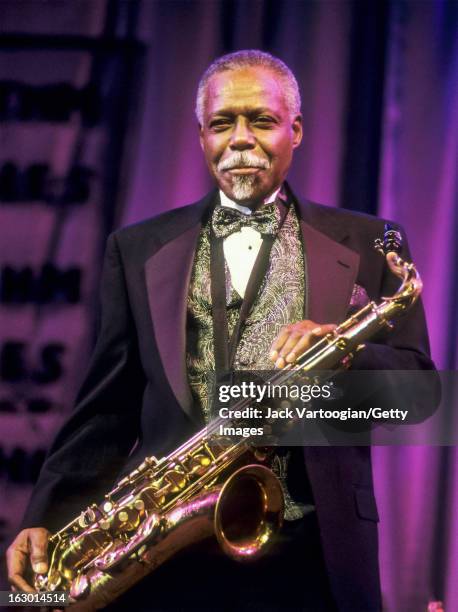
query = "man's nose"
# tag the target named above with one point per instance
(242, 137)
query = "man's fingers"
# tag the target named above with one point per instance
(17, 562)
(29, 546)
(298, 344)
(298, 348)
(322, 330)
(38, 539)
(16, 580)
(294, 339)
(16, 556)
(278, 343)
(307, 340)
(295, 328)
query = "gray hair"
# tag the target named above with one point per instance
(243, 59)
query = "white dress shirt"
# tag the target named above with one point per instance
(241, 248)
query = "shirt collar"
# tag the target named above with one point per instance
(225, 201)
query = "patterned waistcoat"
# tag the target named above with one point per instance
(280, 301)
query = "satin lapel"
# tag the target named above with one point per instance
(330, 272)
(168, 274)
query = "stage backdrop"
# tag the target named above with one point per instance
(69, 81)
(379, 85)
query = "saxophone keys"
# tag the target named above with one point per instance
(86, 518)
(176, 479)
(198, 464)
(123, 516)
(41, 582)
(127, 518)
(80, 587)
(104, 524)
(341, 343)
(81, 521)
(139, 505)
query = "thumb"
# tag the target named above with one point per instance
(38, 539)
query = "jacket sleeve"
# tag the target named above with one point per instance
(95, 440)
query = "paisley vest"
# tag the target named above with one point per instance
(280, 301)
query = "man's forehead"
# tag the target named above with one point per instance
(251, 86)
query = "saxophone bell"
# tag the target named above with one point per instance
(249, 512)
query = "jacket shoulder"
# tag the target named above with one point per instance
(158, 225)
(338, 222)
(144, 237)
(348, 217)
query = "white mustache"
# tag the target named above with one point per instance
(242, 160)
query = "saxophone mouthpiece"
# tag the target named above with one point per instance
(391, 242)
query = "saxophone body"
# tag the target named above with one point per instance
(160, 508)
(205, 487)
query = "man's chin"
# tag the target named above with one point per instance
(245, 192)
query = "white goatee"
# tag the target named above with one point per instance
(243, 187)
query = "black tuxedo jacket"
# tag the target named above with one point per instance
(135, 400)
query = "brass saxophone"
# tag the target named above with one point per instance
(205, 487)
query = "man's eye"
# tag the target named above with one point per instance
(220, 124)
(264, 121)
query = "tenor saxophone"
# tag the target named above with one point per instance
(205, 487)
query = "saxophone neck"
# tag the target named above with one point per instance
(390, 247)
(411, 286)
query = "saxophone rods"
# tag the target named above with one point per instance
(204, 487)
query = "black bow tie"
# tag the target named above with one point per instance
(226, 221)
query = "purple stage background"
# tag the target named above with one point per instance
(380, 104)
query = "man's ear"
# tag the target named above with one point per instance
(297, 130)
(201, 136)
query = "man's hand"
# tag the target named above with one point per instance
(295, 339)
(30, 546)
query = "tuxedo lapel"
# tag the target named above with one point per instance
(331, 269)
(168, 274)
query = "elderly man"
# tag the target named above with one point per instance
(244, 278)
